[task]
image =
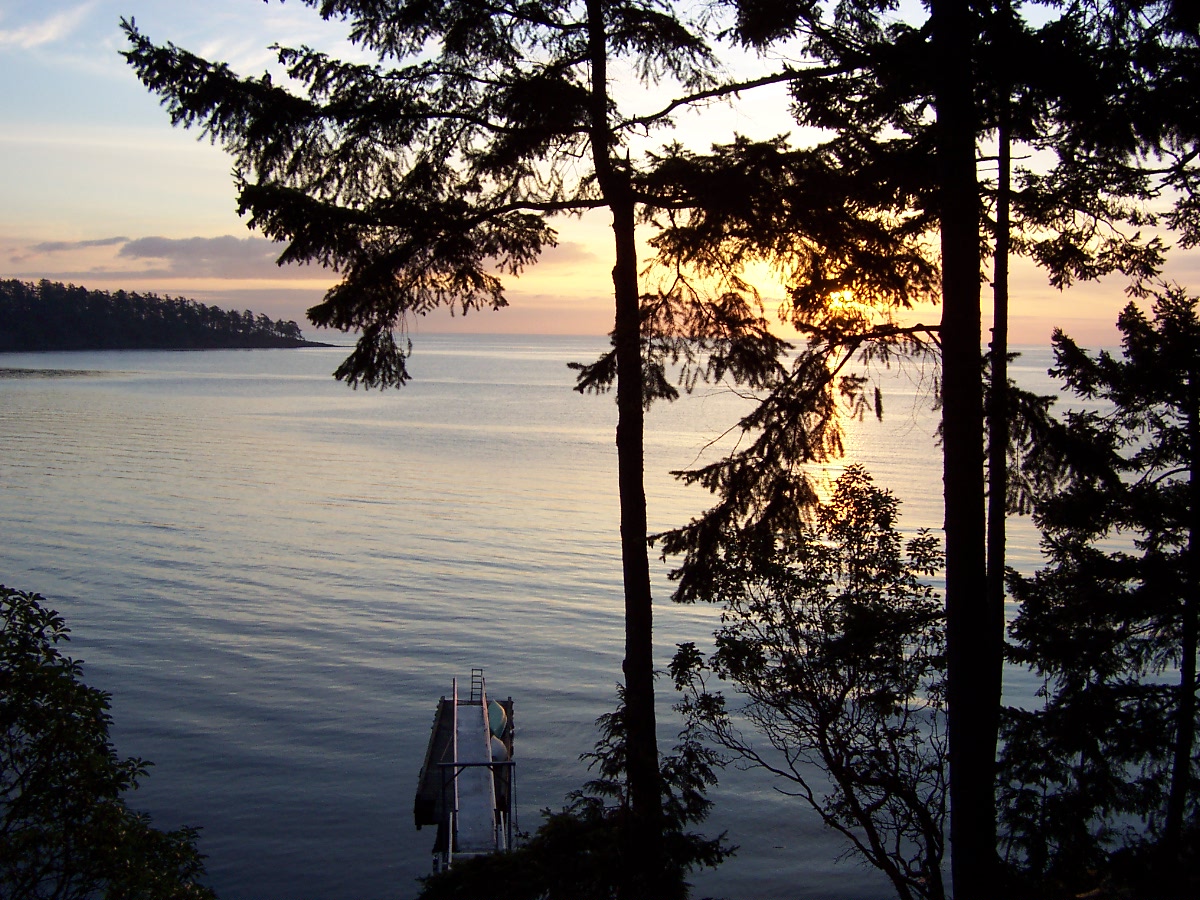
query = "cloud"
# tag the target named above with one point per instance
(220, 257)
(226, 258)
(47, 31)
(254, 257)
(67, 246)
(567, 253)
(564, 255)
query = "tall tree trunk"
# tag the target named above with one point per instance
(998, 423)
(972, 651)
(642, 743)
(1185, 727)
(642, 878)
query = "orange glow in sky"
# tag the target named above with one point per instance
(99, 189)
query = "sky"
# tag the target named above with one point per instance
(97, 188)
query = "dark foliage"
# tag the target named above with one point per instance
(1105, 771)
(429, 174)
(425, 178)
(909, 109)
(53, 316)
(65, 831)
(836, 643)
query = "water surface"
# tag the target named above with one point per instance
(276, 577)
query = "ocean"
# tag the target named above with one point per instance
(276, 578)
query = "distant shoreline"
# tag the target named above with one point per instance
(48, 316)
(301, 344)
(14, 372)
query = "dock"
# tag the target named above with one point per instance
(467, 780)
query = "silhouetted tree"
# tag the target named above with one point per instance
(909, 105)
(65, 831)
(421, 177)
(53, 316)
(837, 644)
(1114, 615)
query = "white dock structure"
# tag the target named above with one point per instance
(466, 783)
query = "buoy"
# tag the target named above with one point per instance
(499, 751)
(497, 719)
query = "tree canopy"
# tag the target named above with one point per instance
(425, 177)
(912, 109)
(428, 175)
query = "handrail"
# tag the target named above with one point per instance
(469, 765)
(454, 756)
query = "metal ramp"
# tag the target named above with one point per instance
(474, 789)
(467, 780)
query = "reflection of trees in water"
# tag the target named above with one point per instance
(48, 373)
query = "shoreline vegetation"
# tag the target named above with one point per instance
(50, 315)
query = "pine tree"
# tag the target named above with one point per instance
(422, 176)
(1112, 619)
(910, 106)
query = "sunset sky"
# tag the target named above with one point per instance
(99, 190)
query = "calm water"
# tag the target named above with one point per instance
(276, 578)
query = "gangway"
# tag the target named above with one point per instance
(467, 779)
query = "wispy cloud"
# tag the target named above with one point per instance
(67, 246)
(567, 253)
(46, 31)
(220, 257)
(226, 258)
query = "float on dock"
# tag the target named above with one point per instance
(466, 784)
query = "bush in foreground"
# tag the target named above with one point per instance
(65, 831)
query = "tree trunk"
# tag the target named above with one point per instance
(642, 742)
(642, 878)
(1185, 728)
(972, 650)
(998, 427)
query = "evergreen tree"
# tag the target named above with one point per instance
(54, 316)
(420, 177)
(1112, 620)
(910, 105)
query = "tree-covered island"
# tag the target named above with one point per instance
(54, 316)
